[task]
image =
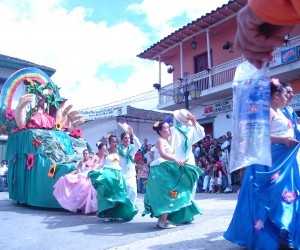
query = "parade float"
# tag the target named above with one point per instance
(44, 141)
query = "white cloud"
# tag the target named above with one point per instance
(160, 14)
(45, 33)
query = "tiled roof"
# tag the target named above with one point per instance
(132, 114)
(9, 62)
(143, 114)
(195, 27)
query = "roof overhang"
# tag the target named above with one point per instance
(196, 27)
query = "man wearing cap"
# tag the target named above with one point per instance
(184, 134)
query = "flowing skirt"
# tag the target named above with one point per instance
(169, 190)
(75, 192)
(111, 194)
(41, 120)
(268, 203)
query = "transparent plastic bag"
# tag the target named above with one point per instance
(251, 143)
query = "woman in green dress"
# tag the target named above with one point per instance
(110, 185)
(170, 184)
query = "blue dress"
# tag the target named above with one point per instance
(268, 201)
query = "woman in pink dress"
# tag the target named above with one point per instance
(74, 191)
(41, 119)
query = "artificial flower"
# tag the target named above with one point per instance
(290, 124)
(10, 114)
(15, 158)
(58, 125)
(275, 82)
(76, 133)
(259, 224)
(288, 196)
(15, 130)
(275, 176)
(30, 161)
(173, 193)
(51, 172)
(156, 124)
(36, 142)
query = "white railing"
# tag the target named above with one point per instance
(208, 79)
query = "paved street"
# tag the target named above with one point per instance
(24, 227)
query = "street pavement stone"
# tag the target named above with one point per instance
(26, 227)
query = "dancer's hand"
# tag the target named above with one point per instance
(290, 142)
(179, 162)
(192, 118)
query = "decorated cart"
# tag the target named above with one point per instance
(44, 141)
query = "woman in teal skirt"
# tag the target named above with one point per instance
(170, 184)
(110, 185)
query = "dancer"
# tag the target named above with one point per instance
(109, 182)
(126, 152)
(170, 184)
(184, 134)
(270, 194)
(74, 191)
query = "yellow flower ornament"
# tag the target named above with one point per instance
(156, 124)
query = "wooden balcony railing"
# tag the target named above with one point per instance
(209, 79)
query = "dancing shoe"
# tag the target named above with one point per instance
(165, 225)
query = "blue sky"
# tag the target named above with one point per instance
(93, 44)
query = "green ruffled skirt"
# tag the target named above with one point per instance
(169, 190)
(111, 194)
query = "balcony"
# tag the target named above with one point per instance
(216, 83)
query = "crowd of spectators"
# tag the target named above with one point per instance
(212, 155)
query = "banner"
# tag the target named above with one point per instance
(112, 111)
(296, 102)
(218, 107)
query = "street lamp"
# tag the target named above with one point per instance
(179, 96)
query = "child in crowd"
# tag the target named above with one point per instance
(216, 180)
(143, 174)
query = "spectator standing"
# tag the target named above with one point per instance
(148, 153)
(3, 175)
(144, 146)
(143, 174)
(196, 152)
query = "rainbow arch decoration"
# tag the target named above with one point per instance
(16, 79)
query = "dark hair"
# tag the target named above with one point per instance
(144, 159)
(100, 145)
(286, 84)
(158, 126)
(111, 137)
(276, 86)
(123, 135)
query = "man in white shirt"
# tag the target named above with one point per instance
(3, 175)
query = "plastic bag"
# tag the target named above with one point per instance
(251, 143)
